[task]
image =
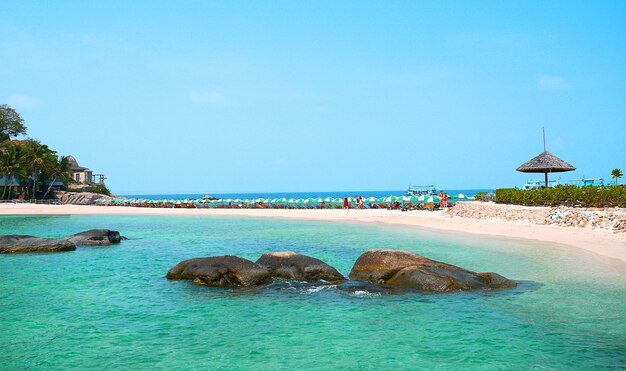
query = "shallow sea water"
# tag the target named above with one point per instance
(111, 307)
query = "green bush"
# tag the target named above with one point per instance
(569, 195)
(484, 196)
(101, 188)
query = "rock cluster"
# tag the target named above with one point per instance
(232, 270)
(490, 210)
(410, 270)
(13, 244)
(221, 271)
(291, 265)
(383, 268)
(96, 237)
(79, 198)
(613, 219)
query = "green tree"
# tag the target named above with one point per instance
(11, 123)
(41, 160)
(616, 174)
(13, 165)
(60, 171)
(101, 188)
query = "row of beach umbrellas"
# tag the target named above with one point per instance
(283, 200)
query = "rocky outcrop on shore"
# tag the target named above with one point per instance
(612, 219)
(291, 265)
(222, 271)
(409, 270)
(15, 244)
(79, 198)
(96, 237)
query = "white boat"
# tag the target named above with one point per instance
(583, 182)
(428, 190)
(536, 184)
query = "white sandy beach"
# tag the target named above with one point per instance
(604, 243)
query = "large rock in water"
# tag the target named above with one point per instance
(95, 237)
(14, 243)
(226, 270)
(291, 265)
(409, 270)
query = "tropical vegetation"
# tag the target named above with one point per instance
(11, 123)
(101, 189)
(484, 196)
(616, 174)
(27, 164)
(565, 195)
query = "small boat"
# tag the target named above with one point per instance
(536, 184)
(428, 190)
(583, 182)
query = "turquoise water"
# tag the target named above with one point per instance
(111, 307)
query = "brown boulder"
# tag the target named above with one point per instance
(14, 243)
(223, 271)
(291, 265)
(410, 270)
(95, 237)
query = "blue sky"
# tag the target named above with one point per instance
(236, 96)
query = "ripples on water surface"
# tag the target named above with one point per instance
(111, 307)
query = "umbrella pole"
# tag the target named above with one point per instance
(546, 180)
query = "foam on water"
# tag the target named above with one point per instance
(111, 307)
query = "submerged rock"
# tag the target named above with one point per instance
(406, 269)
(222, 271)
(13, 244)
(96, 237)
(291, 265)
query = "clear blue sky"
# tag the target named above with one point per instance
(236, 96)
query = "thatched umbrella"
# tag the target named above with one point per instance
(545, 163)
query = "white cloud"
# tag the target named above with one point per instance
(213, 97)
(552, 82)
(22, 101)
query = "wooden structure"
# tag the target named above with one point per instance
(545, 163)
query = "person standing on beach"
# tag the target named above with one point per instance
(346, 205)
(441, 202)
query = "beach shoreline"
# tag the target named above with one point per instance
(603, 243)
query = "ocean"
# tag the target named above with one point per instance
(113, 308)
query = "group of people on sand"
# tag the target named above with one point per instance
(358, 200)
(443, 199)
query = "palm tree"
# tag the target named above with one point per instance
(40, 158)
(60, 171)
(13, 164)
(616, 174)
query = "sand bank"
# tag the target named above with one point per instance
(604, 243)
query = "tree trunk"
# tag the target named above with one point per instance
(10, 186)
(49, 188)
(34, 195)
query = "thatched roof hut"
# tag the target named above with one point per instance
(545, 163)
